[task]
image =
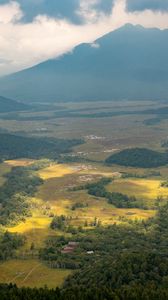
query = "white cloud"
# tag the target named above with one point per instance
(23, 45)
(95, 45)
(10, 13)
(88, 12)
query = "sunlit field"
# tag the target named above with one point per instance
(35, 229)
(54, 171)
(20, 162)
(147, 189)
(57, 195)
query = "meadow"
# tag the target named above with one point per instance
(31, 273)
(57, 195)
(147, 189)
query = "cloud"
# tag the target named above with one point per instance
(23, 44)
(140, 5)
(95, 45)
(52, 8)
(9, 13)
(92, 10)
(60, 8)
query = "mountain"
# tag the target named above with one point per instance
(129, 63)
(8, 105)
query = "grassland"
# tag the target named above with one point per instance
(31, 273)
(36, 230)
(19, 162)
(56, 197)
(147, 189)
(55, 171)
(57, 192)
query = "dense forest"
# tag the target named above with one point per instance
(33, 147)
(137, 292)
(138, 157)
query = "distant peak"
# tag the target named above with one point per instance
(130, 26)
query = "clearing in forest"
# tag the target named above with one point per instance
(31, 273)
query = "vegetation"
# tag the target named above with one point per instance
(138, 157)
(151, 292)
(137, 254)
(79, 205)
(164, 184)
(58, 222)
(40, 164)
(31, 272)
(120, 200)
(19, 185)
(31, 147)
(122, 259)
(145, 175)
(8, 244)
(8, 105)
(119, 252)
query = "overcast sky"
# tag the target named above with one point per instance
(32, 31)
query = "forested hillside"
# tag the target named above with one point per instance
(8, 105)
(32, 147)
(139, 157)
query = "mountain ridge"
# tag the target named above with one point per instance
(10, 105)
(128, 63)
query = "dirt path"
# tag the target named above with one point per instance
(17, 276)
(30, 272)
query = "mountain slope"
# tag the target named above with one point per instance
(8, 105)
(130, 62)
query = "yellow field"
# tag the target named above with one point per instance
(20, 162)
(36, 221)
(36, 230)
(31, 273)
(148, 189)
(55, 193)
(56, 170)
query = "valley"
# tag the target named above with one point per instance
(65, 166)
